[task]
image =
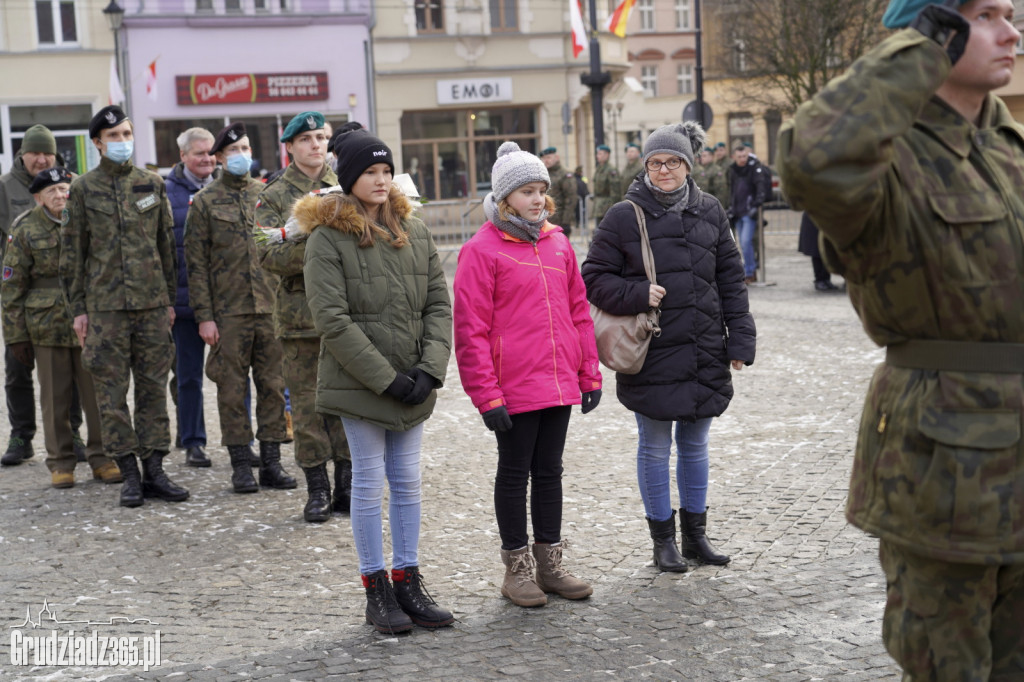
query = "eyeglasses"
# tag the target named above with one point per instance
(672, 163)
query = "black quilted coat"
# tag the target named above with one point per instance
(705, 319)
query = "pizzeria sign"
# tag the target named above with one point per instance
(250, 88)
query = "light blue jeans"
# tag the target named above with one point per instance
(652, 465)
(394, 456)
(746, 228)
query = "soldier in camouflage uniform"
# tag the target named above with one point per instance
(723, 161)
(634, 166)
(912, 169)
(710, 177)
(562, 191)
(118, 273)
(607, 184)
(38, 330)
(233, 303)
(318, 438)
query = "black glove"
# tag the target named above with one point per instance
(946, 26)
(400, 388)
(423, 384)
(24, 353)
(591, 400)
(498, 419)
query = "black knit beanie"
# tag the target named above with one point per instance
(356, 151)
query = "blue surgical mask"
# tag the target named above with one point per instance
(119, 152)
(238, 164)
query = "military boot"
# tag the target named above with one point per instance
(417, 603)
(155, 482)
(551, 577)
(519, 584)
(242, 480)
(271, 473)
(382, 609)
(342, 486)
(318, 506)
(666, 552)
(131, 489)
(18, 450)
(695, 541)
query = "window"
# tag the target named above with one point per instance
(684, 79)
(429, 15)
(683, 14)
(646, 9)
(649, 79)
(739, 57)
(55, 22)
(504, 15)
(204, 5)
(233, 6)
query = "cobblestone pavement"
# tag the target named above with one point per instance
(240, 587)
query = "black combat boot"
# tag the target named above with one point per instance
(155, 482)
(342, 485)
(131, 489)
(417, 603)
(318, 485)
(695, 541)
(382, 610)
(242, 480)
(666, 552)
(271, 473)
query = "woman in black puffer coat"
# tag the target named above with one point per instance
(706, 326)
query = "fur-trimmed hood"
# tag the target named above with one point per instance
(338, 211)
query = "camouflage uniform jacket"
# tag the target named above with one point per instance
(723, 195)
(607, 189)
(117, 244)
(921, 211)
(33, 305)
(716, 183)
(563, 191)
(292, 319)
(629, 174)
(224, 273)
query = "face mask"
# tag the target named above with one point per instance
(238, 164)
(119, 152)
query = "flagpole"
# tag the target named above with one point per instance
(596, 79)
(700, 66)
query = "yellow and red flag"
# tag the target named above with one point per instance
(617, 21)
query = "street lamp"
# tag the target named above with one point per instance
(115, 19)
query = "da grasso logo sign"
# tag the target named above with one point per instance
(44, 640)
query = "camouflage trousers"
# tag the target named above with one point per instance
(953, 622)
(124, 346)
(319, 438)
(248, 341)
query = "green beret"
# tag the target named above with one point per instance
(306, 121)
(548, 150)
(604, 148)
(900, 13)
(720, 145)
(708, 149)
(634, 145)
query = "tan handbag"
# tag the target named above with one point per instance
(623, 340)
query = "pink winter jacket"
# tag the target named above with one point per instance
(523, 334)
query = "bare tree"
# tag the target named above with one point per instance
(787, 50)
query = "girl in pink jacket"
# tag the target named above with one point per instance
(524, 342)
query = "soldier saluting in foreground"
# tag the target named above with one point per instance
(912, 169)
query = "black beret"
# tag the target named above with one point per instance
(107, 117)
(228, 136)
(50, 176)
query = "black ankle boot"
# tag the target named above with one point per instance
(382, 610)
(131, 489)
(155, 482)
(318, 506)
(416, 601)
(666, 553)
(342, 486)
(271, 473)
(695, 541)
(242, 480)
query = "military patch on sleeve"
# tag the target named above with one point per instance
(8, 272)
(64, 217)
(146, 202)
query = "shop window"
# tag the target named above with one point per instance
(55, 22)
(429, 16)
(649, 80)
(646, 10)
(504, 15)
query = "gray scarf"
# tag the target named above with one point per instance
(675, 201)
(515, 226)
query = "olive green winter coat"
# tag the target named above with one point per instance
(379, 311)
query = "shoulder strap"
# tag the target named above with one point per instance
(645, 243)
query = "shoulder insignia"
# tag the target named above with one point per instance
(8, 272)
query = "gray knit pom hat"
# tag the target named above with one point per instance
(513, 169)
(677, 138)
